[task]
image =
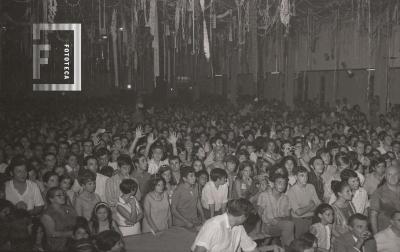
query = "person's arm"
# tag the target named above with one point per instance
(374, 221)
(150, 141)
(200, 211)
(129, 216)
(50, 231)
(138, 135)
(212, 209)
(236, 187)
(147, 214)
(172, 139)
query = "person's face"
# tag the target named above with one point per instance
(271, 147)
(63, 149)
(375, 143)
(157, 154)
(88, 147)
(231, 167)
(32, 175)
(289, 165)
(114, 155)
(220, 182)
(395, 221)
(360, 148)
(190, 179)
(118, 247)
(280, 185)
(319, 166)
(167, 176)
(359, 227)
(327, 216)
(90, 186)
(159, 188)
(197, 166)
(81, 234)
(59, 197)
(65, 184)
(175, 165)
(286, 149)
(302, 178)
(102, 214)
(354, 183)
(91, 165)
(380, 168)
(143, 163)
(203, 179)
(326, 158)
(125, 168)
(103, 160)
(72, 161)
(388, 140)
(346, 193)
(50, 161)
(20, 173)
(75, 148)
(246, 173)
(392, 176)
(52, 182)
(201, 153)
(59, 170)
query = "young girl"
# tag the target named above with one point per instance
(289, 163)
(102, 219)
(243, 182)
(129, 212)
(170, 183)
(322, 228)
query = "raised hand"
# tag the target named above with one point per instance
(151, 139)
(173, 137)
(139, 132)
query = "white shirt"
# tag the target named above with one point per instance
(213, 195)
(32, 196)
(387, 241)
(217, 235)
(154, 167)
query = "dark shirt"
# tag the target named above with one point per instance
(318, 183)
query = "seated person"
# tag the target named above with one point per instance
(388, 240)
(215, 193)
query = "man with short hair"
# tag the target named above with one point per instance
(225, 233)
(358, 239)
(388, 240)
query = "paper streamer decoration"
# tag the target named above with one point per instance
(285, 12)
(114, 45)
(206, 43)
(153, 21)
(51, 11)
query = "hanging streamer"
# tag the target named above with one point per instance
(114, 45)
(102, 18)
(51, 11)
(285, 13)
(154, 31)
(206, 43)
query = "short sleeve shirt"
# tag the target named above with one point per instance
(385, 202)
(217, 235)
(185, 200)
(213, 195)
(32, 196)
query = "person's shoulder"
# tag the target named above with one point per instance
(32, 185)
(102, 177)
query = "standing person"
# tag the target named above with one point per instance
(303, 200)
(388, 240)
(225, 233)
(243, 182)
(113, 184)
(58, 220)
(215, 193)
(357, 238)
(102, 220)
(373, 179)
(140, 173)
(343, 207)
(20, 191)
(186, 205)
(129, 214)
(157, 213)
(322, 228)
(315, 176)
(385, 200)
(274, 210)
(86, 201)
(170, 183)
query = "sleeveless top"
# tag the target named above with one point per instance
(63, 221)
(323, 234)
(159, 211)
(121, 221)
(341, 217)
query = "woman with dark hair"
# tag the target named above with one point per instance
(157, 213)
(101, 219)
(343, 207)
(170, 184)
(58, 219)
(244, 182)
(109, 241)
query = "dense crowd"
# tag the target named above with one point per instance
(80, 176)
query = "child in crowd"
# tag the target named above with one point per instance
(86, 201)
(186, 206)
(50, 180)
(80, 241)
(373, 179)
(202, 179)
(316, 170)
(129, 212)
(303, 200)
(215, 193)
(101, 219)
(322, 227)
(231, 165)
(243, 184)
(170, 184)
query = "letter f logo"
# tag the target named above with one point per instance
(37, 48)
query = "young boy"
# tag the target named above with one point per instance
(273, 207)
(303, 200)
(140, 173)
(155, 162)
(86, 201)
(186, 201)
(215, 193)
(231, 165)
(315, 176)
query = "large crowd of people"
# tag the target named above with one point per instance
(80, 176)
